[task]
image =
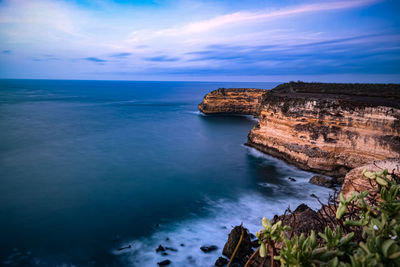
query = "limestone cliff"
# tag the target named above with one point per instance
(328, 132)
(232, 101)
(326, 128)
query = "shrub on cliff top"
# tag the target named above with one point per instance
(366, 232)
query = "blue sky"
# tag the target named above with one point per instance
(225, 40)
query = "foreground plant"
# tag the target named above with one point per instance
(376, 224)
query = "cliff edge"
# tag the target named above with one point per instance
(246, 101)
(323, 127)
(329, 128)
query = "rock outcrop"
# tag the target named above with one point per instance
(326, 128)
(355, 180)
(330, 133)
(245, 248)
(233, 101)
(322, 181)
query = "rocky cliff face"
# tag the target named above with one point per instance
(232, 101)
(327, 133)
(355, 181)
(326, 128)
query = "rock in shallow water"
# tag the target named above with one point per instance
(160, 248)
(207, 249)
(164, 263)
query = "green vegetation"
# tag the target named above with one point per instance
(365, 232)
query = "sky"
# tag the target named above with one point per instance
(189, 40)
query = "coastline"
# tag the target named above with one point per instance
(283, 102)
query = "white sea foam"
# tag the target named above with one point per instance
(196, 112)
(248, 209)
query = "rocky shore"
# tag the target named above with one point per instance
(332, 129)
(302, 219)
(325, 128)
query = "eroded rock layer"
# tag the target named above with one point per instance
(355, 181)
(232, 101)
(325, 132)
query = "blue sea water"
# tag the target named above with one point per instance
(88, 167)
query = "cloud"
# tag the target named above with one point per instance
(243, 17)
(121, 55)
(162, 59)
(95, 59)
(45, 58)
(216, 37)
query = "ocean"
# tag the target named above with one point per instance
(90, 167)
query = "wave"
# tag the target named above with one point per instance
(186, 237)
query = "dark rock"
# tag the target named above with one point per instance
(164, 253)
(302, 220)
(182, 245)
(164, 263)
(322, 181)
(302, 207)
(171, 249)
(338, 180)
(167, 239)
(245, 248)
(292, 179)
(127, 247)
(237, 264)
(221, 261)
(313, 195)
(207, 249)
(160, 248)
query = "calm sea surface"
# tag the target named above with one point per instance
(88, 167)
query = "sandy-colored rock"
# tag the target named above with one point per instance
(355, 180)
(233, 101)
(327, 133)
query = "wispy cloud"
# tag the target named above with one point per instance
(257, 17)
(95, 59)
(121, 55)
(191, 37)
(45, 58)
(162, 59)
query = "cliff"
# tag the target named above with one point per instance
(328, 132)
(326, 128)
(232, 101)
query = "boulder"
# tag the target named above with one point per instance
(221, 261)
(356, 181)
(164, 263)
(322, 181)
(245, 248)
(302, 220)
(207, 249)
(160, 248)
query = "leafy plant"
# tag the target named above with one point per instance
(377, 221)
